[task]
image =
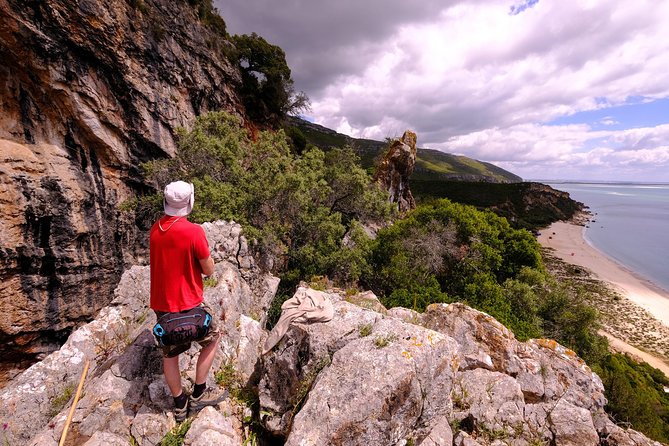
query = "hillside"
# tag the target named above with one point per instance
(525, 205)
(460, 179)
(431, 165)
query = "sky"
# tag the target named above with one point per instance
(547, 89)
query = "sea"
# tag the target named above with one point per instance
(629, 223)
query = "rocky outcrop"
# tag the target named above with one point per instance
(449, 376)
(89, 89)
(395, 169)
(125, 393)
(453, 375)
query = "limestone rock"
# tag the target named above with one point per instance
(301, 354)
(213, 428)
(572, 425)
(106, 439)
(374, 393)
(252, 337)
(360, 388)
(148, 427)
(395, 169)
(484, 342)
(491, 398)
(365, 377)
(440, 433)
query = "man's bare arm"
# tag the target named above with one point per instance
(207, 266)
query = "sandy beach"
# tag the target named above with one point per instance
(566, 241)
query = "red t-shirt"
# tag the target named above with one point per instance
(176, 274)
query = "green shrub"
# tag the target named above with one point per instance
(298, 207)
(636, 395)
(443, 252)
(417, 297)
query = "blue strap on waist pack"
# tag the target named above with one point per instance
(182, 327)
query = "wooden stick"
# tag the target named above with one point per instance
(74, 403)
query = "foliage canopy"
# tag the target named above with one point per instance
(267, 87)
(299, 207)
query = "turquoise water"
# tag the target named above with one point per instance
(631, 224)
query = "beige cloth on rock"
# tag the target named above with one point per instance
(307, 305)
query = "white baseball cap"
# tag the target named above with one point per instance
(179, 198)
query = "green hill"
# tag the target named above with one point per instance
(431, 165)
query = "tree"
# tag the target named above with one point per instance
(267, 87)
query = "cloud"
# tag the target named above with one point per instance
(460, 72)
(608, 121)
(571, 151)
(325, 40)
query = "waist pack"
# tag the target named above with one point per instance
(182, 327)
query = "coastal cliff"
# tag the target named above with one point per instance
(371, 375)
(89, 90)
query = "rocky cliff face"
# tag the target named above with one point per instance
(395, 169)
(370, 376)
(88, 90)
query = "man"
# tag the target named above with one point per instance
(179, 256)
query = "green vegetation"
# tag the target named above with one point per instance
(209, 282)
(308, 380)
(434, 164)
(431, 165)
(300, 221)
(525, 205)
(209, 15)
(176, 436)
(267, 87)
(384, 340)
(365, 330)
(636, 396)
(59, 402)
(443, 252)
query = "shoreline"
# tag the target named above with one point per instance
(567, 242)
(655, 287)
(636, 320)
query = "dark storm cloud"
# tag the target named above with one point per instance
(325, 39)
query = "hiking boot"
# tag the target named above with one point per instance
(181, 413)
(210, 397)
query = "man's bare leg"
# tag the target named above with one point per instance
(204, 361)
(172, 375)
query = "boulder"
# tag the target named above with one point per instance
(379, 389)
(380, 378)
(214, 428)
(572, 425)
(365, 377)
